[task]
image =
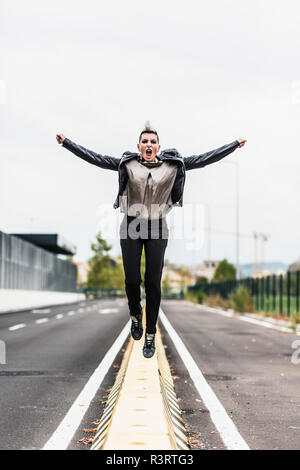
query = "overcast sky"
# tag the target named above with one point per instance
(203, 72)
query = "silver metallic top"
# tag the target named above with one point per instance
(148, 191)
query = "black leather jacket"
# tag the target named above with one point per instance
(184, 163)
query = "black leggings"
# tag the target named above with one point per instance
(154, 238)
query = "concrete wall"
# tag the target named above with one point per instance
(18, 299)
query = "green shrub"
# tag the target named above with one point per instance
(241, 300)
(200, 296)
(216, 300)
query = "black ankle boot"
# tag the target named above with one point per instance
(137, 326)
(149, 345)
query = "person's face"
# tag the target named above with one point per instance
(148, 146)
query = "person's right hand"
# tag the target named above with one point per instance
(60, 138)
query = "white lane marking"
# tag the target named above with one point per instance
(59, 316)
(227, 429)
(42, 320)
(71, 313)
(80, 310)
(105, 311)
(44, 310)
(17, 327)
(61, 438)
(247, 319)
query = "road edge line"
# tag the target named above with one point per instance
(65, 431)
(224, 424)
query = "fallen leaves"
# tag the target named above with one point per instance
(87, 441)
(90, 430)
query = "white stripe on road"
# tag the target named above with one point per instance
(40, 310)
(42, 320)
(59, 316)
(16, 327)
(105, 311)
(228, 432)
(71, 313)
(67, 428)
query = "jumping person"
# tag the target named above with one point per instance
(150, 184)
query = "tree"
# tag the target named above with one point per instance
(201, 280)
(102, 272)
(224, 272)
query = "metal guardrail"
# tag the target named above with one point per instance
(25, 266)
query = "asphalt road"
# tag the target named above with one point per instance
(49, 362)
(250, 370)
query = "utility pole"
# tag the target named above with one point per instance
(255, 236)
(264, 238)
(237, 211)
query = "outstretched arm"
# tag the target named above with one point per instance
(104, 161)
(198, 161)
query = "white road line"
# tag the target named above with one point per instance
(17, 327)
(80, 310)
(71, 313)
(61, 438)
(105, 311)
(59, 316)
(40, 310)
(42, 320)
(227, 429)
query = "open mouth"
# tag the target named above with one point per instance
(148, 152)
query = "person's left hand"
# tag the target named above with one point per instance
(241, 142)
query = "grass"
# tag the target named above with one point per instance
(268, 306)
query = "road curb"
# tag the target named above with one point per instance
(166, 429)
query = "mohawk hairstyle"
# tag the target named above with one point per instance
(148, 130)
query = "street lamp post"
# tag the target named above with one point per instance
(237, 217)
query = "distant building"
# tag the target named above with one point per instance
(207, 269)
(294, 267)
(82, 272)
(177, 279)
